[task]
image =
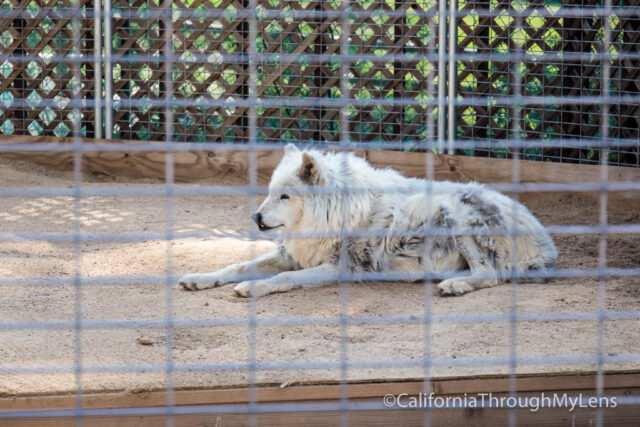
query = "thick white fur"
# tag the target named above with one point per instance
(334, 193)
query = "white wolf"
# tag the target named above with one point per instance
(392, 224)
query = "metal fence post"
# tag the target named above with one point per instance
(453, 43)
(97, 67)
(108, 71)
(442, 41)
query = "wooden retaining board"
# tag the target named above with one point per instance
(206, 165)
(615, 384)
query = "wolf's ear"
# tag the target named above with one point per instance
(309, 172)
(290, 148)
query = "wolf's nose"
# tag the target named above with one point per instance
(257, 218)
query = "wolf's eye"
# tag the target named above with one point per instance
(284, 197)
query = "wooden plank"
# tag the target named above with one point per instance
(208, 165)
(189, 166)
(619, 415)
(482, 169)
(319, 391)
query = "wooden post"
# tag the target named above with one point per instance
(398, 73)
(90, 91)
(243, 89)
(18, 113)
(319, 78)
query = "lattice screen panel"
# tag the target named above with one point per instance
(391, 66)
(39, 94)
(561, 61)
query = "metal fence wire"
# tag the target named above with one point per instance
(393, 56)
(545, 80)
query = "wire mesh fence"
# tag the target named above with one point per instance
(392, 59)
(525, 80)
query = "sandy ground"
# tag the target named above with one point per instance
(119, 348)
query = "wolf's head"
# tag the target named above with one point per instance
(284, 206)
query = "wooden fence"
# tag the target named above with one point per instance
(392, 66)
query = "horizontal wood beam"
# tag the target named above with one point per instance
(484, 169)
(626, 383)
(330, 390)
(207, 165)
(621, 416)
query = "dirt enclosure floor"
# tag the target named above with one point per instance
(121, 347)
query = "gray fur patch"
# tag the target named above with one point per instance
(359, 255)
(443, 218)
(492, 255)
(485, 215)
(285, 254)
(440, 243)
(409, 244)
(467, 254)
(462, 248)
(489, 214)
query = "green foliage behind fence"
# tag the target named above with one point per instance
(392, 73)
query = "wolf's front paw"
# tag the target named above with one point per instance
(189, 286)
(196, 282)
(454, 287)
(252, 288)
